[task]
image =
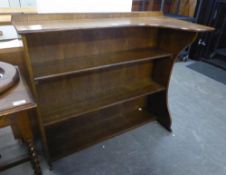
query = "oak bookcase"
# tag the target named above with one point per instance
(97, 75)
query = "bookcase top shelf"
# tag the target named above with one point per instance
(36, 23)
(62, 67)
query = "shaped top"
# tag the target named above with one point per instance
(36, 23)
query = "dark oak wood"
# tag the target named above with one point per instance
(111, 99)
(61, 22)
(16, 99)
(12, 52)
(107, 89)
(89, 71)
(102, 124)
(15, 104)
(61, 67)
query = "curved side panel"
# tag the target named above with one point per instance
(172, 41)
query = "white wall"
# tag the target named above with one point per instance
(17, 3)
(4, 4)
(28, 3)
(60, 6)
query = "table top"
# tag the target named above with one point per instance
(11, 46)
(16, 99)
(36, 23)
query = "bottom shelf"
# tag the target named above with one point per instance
(78, 133)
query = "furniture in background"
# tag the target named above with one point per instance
(7, 31)
(211, 47)
(188, 10)
(11, 47)
(97, 75)
(147, 5)
(16, 106)
(12, 52)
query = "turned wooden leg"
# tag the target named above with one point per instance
(34, 157)
(158, 106)
(23, 124)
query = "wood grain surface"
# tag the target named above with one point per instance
(97, 75)
(58, 22)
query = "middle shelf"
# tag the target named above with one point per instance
(61, 67)
(115, 96)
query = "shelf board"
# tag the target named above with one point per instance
(69, 66)
(116, 96)
(37, 23)
(95, 133)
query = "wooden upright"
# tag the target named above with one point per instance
(97, 75)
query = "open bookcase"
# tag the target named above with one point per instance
(97, 75)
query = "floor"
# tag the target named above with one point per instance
(209, 71)
(197, 145)
(217, 59)
(219, 62)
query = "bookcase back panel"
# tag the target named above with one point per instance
(45, 48)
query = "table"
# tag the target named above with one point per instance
(16, 106)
